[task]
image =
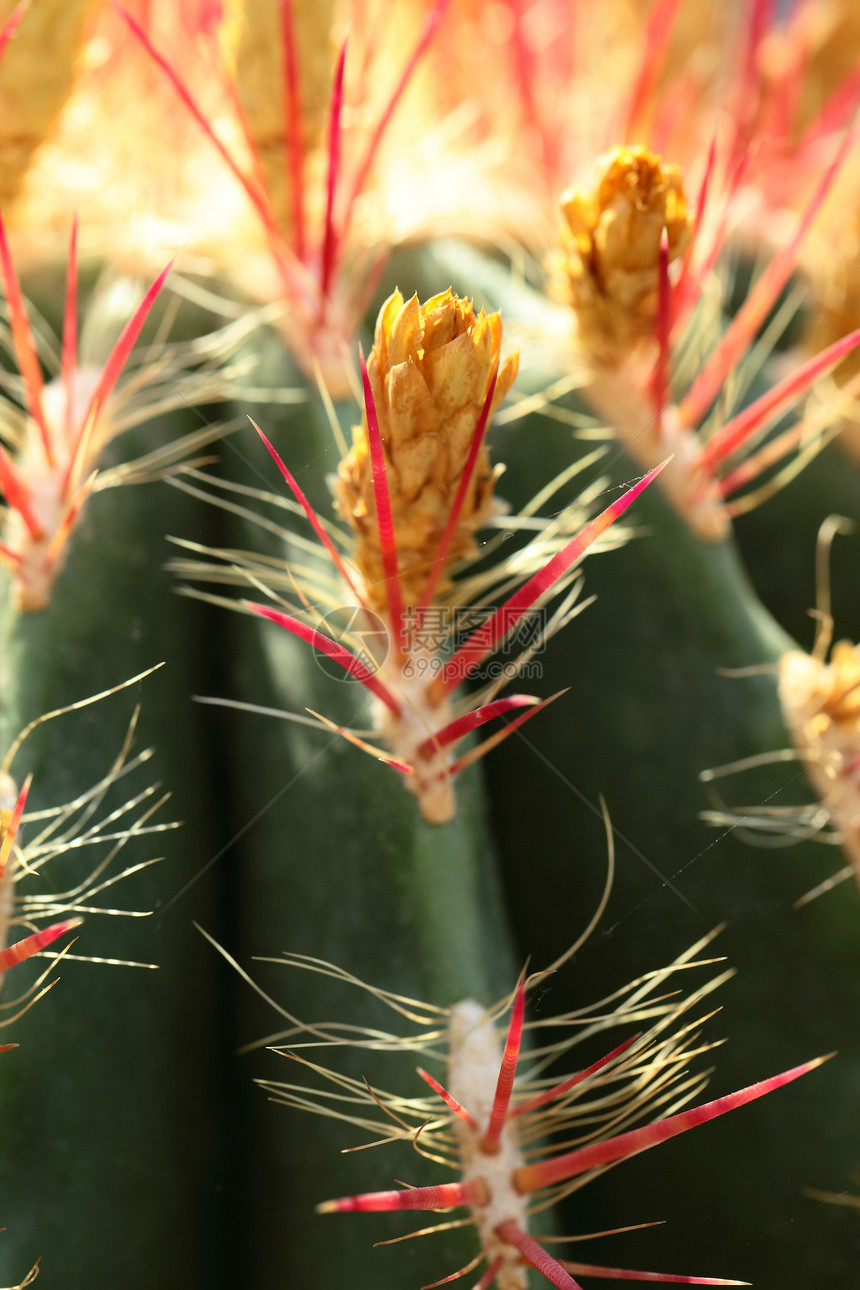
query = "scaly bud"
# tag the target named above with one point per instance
(430, 371)
(821, 703)
(39, 71)
(609, 260)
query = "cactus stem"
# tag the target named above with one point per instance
(87, 822)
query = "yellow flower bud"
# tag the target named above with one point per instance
(430, 369)
(37, 75)
(607, 266)
(821, 703)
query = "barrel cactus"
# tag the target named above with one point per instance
(421, 432)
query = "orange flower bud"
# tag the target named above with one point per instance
(430, 370)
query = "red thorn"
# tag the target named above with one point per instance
(749, 95)
(17, 495)
(530, 1178)
(312, 517)
(293, 132)
(473, 721)
(7, 31)
(449, 1099)
(774, 450)
(623, 1274)
(474, 754)
(11, 557)
(663, 332)
(326, 645)
(384, 518)
(552, 1094)
(70, 327)
(729, 437)
(112, 369)
(507, 1073)
(25, 345)
(484, 640)
(330, 247)
(760, 300)
(685, 294)
(490, 1275)
(30, 945)
(444, 1196)
(836, 111)
(537, 1256)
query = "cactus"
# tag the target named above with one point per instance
(489, 383)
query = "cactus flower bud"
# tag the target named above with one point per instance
(821, 703)
(608, 263)
(430, 370)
